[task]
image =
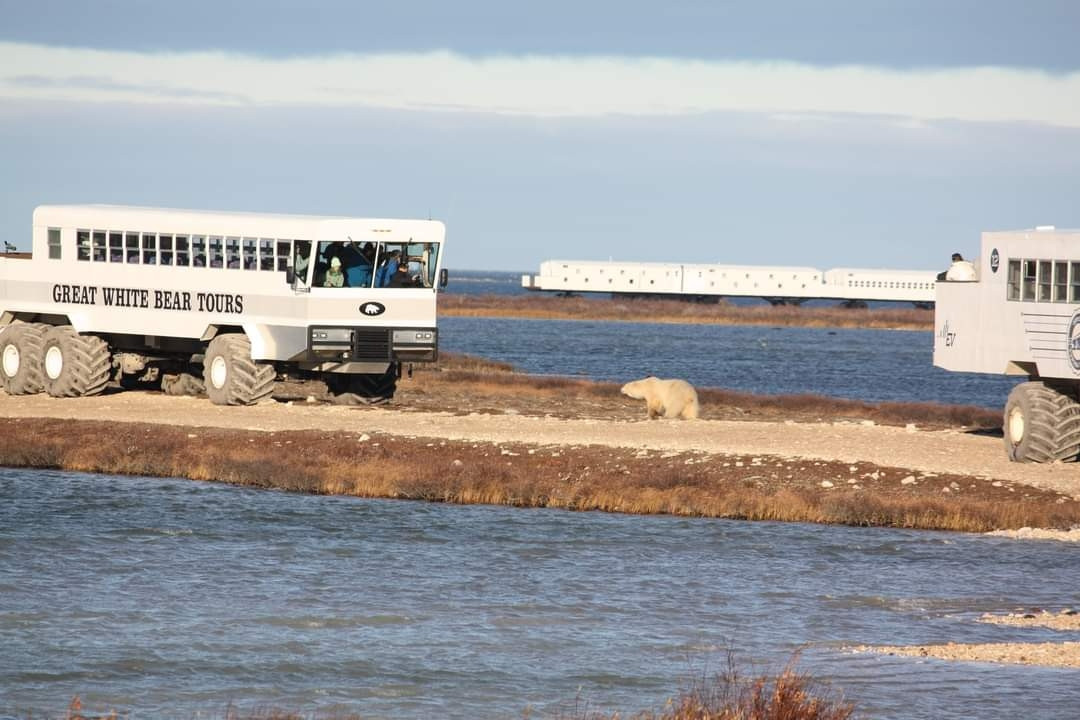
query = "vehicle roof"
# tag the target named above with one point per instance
(131, 217)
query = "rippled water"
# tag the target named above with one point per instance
(870, 365)
(171, 598)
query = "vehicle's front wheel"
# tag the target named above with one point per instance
(20, 358)
(231, 376)
(74, 365)
(1039, 422)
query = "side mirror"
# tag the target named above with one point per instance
(444, 277)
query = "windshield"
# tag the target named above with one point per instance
(376, 264)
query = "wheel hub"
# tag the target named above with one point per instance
(1016, 426)
(219, 372)
(54, 362)
(11, 360)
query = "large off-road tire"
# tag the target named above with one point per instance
(74, 365)
(20, 358)
(1068, 427)
(373, 389)
(182, 384)
(231, 376)
(1041, 424)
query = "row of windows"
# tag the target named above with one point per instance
(892, 285)
(1043, 281)
(149, 248)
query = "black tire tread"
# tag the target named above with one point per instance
(87, 364)
(1052, 425)
(31, 338)
(248, 381)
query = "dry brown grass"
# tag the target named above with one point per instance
(550, 307)
(730, 695)
(574, 478)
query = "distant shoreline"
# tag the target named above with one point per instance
(616, 309)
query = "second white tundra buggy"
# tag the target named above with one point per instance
(1018, 313)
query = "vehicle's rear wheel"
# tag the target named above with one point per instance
(1041, 424)
(231, 376)
(367, 389)
(1068, 427)
(182, 384)
(74, 365)
(20, 358)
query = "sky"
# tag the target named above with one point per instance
(854, 133)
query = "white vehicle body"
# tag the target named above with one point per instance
(1020, 315)
(158, 285)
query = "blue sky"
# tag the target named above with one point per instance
(829, 134)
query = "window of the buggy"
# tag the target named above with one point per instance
(116, 246)
(1055, 281)
(357, 262)
(232, 252)
(302, 260)
(216, 245)
(165, 249)
(1061, 282)
(198, 251)
(54, 243)
(99, 246)
(1029, 274)
(250, 259)
(179, 250)
(266, 254)
(1046, 275)
(420, 258)
(82, 245)
(131, 246)
(149, 248)
(183, 251)
(284, 247)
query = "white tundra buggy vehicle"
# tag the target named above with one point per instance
(221, 300)
(1020, 315)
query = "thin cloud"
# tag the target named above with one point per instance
(543, 86)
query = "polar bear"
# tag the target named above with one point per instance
(667, 398)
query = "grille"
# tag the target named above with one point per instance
(373, 344)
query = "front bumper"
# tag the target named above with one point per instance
(351, 344)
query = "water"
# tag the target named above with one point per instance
(869, 365)
(170, 598)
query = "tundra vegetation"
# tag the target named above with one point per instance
(611, 479)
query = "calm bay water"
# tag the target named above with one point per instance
(870, 365)
(170, 598)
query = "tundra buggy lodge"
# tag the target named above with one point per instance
(219, 302)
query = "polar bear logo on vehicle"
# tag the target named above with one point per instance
(372, 308)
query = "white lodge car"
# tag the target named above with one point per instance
(1018, 313)
(227, 300)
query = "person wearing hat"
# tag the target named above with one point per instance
(960, 270)
(334, 276)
